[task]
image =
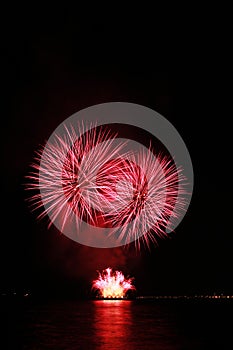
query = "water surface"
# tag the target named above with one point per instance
(109, 324)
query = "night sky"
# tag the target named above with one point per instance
(53, 70)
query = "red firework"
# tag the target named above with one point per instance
(86, 173)
(112, 284)
(66, 178)
(150, 197)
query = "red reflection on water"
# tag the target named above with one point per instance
(113, 323)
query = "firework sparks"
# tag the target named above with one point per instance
(147, 197)
(67, 176)
(112, 284)
(85, 175)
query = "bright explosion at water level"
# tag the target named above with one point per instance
(112, 284)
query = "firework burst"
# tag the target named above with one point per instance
(66, 178)
(84, 174)
(112, 284)
(147, 201)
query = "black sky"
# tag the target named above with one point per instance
(53, 69)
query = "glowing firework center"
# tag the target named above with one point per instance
(112, 284)
(105, 191)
